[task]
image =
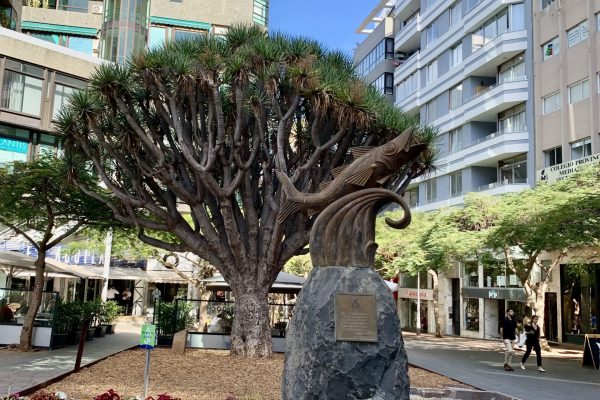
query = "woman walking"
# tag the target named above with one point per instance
(532, 332)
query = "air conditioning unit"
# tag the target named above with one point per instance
(97, 9)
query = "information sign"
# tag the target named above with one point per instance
(148, 337)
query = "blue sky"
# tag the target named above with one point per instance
(332, 22)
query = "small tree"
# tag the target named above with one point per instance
(38, 203)
(199, 129)
(554, 219)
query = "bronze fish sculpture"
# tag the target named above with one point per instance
(372, 168)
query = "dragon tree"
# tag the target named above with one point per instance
(189, 139)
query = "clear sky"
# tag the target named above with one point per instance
(332, 22)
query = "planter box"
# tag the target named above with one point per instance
(100, 331)
(164, 341)
(11, 333)
(110, 329)
(90, 334)
(59, 340)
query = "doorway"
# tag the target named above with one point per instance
(456, 306)
(551, 317)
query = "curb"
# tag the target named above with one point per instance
(458, 393)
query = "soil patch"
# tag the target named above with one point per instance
(198, 375)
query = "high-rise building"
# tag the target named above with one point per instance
(115, 29)
(464, 67)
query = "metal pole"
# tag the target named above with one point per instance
(147, 373)
(106, 271)
(418, 302)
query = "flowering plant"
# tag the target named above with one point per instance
(110, 395)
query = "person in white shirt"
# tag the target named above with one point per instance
(112, 293)
(217, 325)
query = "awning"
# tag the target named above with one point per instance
(180, 22)
(54, 28)
(26, 264)
(285, 283)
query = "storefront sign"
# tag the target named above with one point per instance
(410, 293)
(515, 294)
(561, 171)
(355, 317)
(16, 146)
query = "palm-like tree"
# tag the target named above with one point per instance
(187, 139)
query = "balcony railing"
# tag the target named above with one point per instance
(495, 85)
(64, 5)
(501, 183)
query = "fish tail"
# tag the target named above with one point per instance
(289, 205)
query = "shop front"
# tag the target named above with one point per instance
(407, 308)
(484, 308)
(580, 302)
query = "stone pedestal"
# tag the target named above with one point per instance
(319, 367)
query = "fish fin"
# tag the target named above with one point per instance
(288, 187)
(323, 185)
(288, 208)
(360, 178)
(312, 211)
(338, 170)
(360, 150)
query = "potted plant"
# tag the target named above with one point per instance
(109, 311)
(61, 326)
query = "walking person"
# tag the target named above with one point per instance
(508, 333)
(532, 330)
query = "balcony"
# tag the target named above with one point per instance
(487, 151)
(505, 186)
(407, 67)
(488, 103)
(485, 60)
(408, 39)
(481, 11)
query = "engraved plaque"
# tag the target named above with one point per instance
(355, 317)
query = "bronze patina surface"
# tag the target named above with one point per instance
(355, 317)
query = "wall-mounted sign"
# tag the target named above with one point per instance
(515, 294)
(561, 171)
(411, 293)
(15, 146)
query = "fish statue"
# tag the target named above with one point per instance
(372, 168)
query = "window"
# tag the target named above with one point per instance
(384, 50)
(455, 142)
(551, 48)
(508, 20)
(579, 91)
(456, 97)
(512, 70)
(78, 43)
(551, 103)
(598, 22)
(578, 33)
(553, 156)
(456, 55)
(431, 72)
(61, 98)
(21, 93)
(456, 184)
(431, 190)
(431, 33)
(260, 12)
(581, 148)
(471, 314)
(180, 34)
(546, 3)
(430, 111)
(157, 37)
(385, 83)
(407, 87)
(456, 13)
(513, 170)
(411, 196)
(512, 120)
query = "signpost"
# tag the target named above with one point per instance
(591, 351)
(147, 341)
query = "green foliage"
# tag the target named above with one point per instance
(299, 265)
(173, 317)
(109, 311)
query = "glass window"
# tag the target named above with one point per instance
(455, 142)
(512, 70)
(384, 50)
(21, 93)
(456, 97)
(385, 83)
(546, 3)
(577, 34)
(13, 150)
(512, 120)
(551, 48)
(502, 21)
(431, 33)
(456, 13)
(513, 170)
(431, 190)
(407, 87)
(61, 98)
(509, 19)
(581, 148)
(431, 72)
(156, 37)
(517, 17)
(260, 12)
(579, 91)
(598, 22)
(187, 35)
(551, 103)
(456, 55)
(456, 184)
(430, 111)
(553, 156)
(82, 44)
(411, 196)
(470, 274)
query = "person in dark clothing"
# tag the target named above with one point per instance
(508, 333)
(532, 341)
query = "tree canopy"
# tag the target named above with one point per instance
(200, 128)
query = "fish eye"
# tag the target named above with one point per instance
(389, 149)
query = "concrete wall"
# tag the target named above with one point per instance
(60, 17)
(224, 12)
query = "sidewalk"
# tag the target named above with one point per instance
(21, 371)
(479, 363)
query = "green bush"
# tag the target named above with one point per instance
(109, 312)
(170, 318)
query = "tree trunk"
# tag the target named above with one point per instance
(27, 330)
(539, 307)
(436, 303)
(251, 332)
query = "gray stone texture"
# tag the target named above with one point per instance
(318, 367)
